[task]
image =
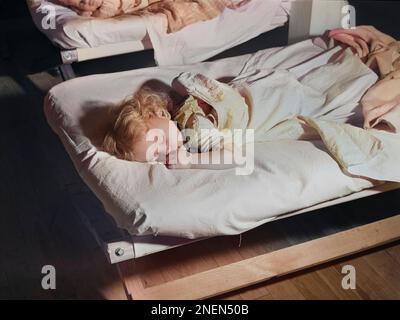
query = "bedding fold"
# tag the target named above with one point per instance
(381, 52)
(316, 100)
(179, 13)
(370, 153)
(182, 13)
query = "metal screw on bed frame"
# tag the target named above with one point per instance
(69, 56)
(119, 252)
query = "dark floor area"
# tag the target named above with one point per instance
(39, 224)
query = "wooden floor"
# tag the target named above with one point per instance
(40, 226)
(378, 277)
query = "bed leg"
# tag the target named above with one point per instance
(67, 72)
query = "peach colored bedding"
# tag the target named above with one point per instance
(381, 104)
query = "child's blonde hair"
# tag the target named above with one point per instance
(130, 121)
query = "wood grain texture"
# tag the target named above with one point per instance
(38, 224)
(394, 252)
(278, 263)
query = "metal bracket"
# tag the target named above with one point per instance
(69, 56)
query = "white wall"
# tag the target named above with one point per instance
(314, 17)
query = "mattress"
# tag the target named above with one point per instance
(72, 31)
(150, 199)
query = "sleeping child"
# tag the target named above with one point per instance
(273, 104)
(145, 131)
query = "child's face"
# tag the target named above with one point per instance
(162, 141)
(83, 5)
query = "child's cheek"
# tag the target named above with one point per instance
(86, 13)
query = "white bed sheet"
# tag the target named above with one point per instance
(146, 199)
(203, 40)
(73, 31)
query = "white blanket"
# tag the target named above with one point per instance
(203, 40)
(289, 175)
(66, 29)
(326, 97)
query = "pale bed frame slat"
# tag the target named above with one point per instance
(85, 54)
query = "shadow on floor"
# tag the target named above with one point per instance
(39, 225)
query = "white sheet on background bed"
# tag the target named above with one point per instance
(203, 40)
(73, 31)
(146, 199)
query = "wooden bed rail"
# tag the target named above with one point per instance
(275, 264)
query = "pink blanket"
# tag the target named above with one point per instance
(179, 13)
(381, 104)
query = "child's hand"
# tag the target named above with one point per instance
(180, 159)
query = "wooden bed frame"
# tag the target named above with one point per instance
(272, 265)
(156, 275)
(193, 274)
(204, 272)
